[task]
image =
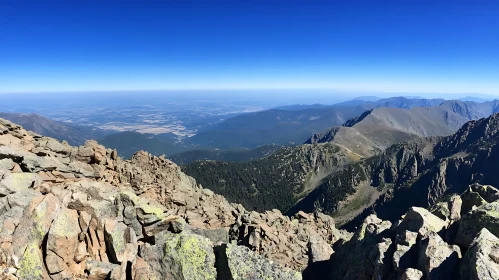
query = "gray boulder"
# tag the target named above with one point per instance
(485, 216)
(244, 264)
(421, 221)
(481, 261)
(412, 274)
(437, 259)
(184, 256)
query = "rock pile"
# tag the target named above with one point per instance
(84, 213)
(424, 244)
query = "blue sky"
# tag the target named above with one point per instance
(373, 46)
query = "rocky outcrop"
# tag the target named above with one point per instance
(180, 256)
(481, 261)
(485, 216)
(245, 264)
(420, 245)
(84, 213)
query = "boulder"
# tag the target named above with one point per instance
(114, 235)
(404, 255)
(62, 242)
(450, 209)
(31, 264)
(372, 225)
(471, 199)
(99, 155)
(9, 220)
(36, 221)
(364, 255)
(481, 261)
(17, 182)
(437, 259)
(318, 249)
(488, 193)
(180, 256)
(421, 221)
(217, 236)
(246, 264)
(141, 270)
(99, 270)
(380, 259)
(485, 216)
(7, 163)
(412, 274)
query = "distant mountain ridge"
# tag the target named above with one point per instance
(294, 123)
(73, 134)
(225, 155)
(272, 127)
(377, 129)
(129, 142)
(394, 102)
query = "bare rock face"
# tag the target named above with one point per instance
(319, 250)
(62, 242)
(485, 216)
(245, 264)
(481, 261)
(412, 274)
(437, 259)
(181, 256)
(421, 221)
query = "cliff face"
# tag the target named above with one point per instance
(415, 173)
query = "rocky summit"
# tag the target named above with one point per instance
(84, 213)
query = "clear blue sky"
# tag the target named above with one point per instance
(404, 45)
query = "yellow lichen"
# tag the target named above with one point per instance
(144, 205)
(31, 264)
(191, 253)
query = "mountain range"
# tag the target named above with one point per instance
(421, 172)
(377, 129)
(73, 134)
(293, 125)
(359, 139)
